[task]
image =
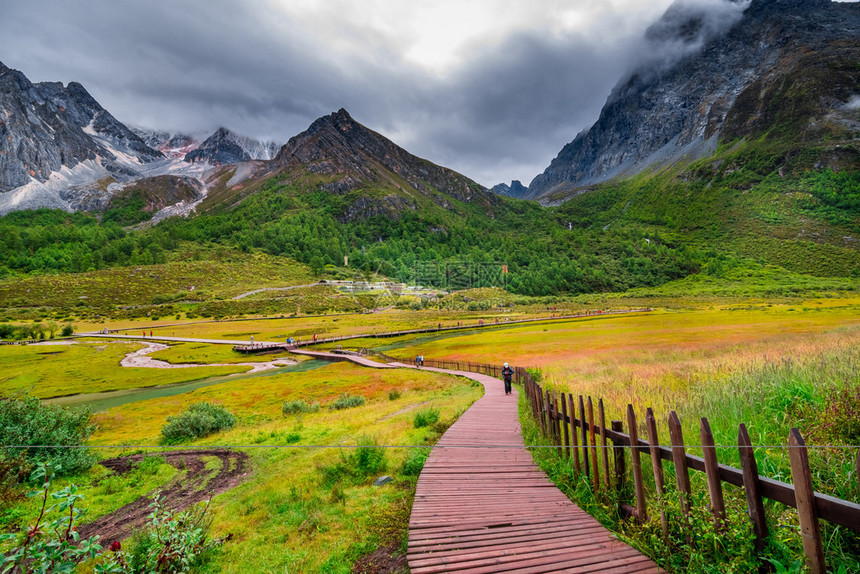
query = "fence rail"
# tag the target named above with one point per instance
(587, 443)
(438, 329)
(811, 505)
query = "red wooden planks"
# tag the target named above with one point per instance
(490, 509)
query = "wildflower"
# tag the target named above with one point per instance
(115, 546)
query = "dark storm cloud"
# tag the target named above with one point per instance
(502, 113)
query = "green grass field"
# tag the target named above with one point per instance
(297, 510)
(86, 367)
(770, 364)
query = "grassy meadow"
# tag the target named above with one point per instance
(300, 509)
(55, 370)
(770, 363)
(770, 366)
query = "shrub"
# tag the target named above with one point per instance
(14, 468)
(394, 395)
(68, 330)
(414, 463)
(173, 542)
(49, 546)
(27, 422)
(347, 401)
(367, 460)
(425, 417)
(840, 420)
(198, 421)
(293, 437)
(299, 406)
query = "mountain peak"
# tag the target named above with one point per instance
(353, 156)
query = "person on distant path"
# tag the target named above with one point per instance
(315, 337)
(417, 360)
(421, 359)
(144, 334)
(252, 340)
(507, 373)
(150, 334)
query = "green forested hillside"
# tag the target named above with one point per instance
(746, 206)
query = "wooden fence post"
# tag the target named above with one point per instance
(539, 400)
(636, 464)
(565, 425)
(549, 414)
(712, 471)
(751, 487)
(679, 457)
(857, 468)
(804, 496)
(556, 427)
(584, 436)
(604, 450)
(657, 466)
(572, 410)
(618, 450)
(595, 473)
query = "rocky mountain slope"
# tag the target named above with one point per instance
(516, 189)
(171, 145)
(345, 157)
(786, 69)
(225, 147)
(53, 132)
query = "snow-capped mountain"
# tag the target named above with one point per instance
(172, 145)
(225, 147)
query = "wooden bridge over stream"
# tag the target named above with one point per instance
(482, 505)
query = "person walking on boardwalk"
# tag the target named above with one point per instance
(507, 373)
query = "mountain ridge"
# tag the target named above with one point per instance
(661, 116)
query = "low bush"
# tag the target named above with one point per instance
(172, 542)
(26, 422)
(394, 395)
(347, 401)
(299, 406)
(198, 421)
(425, 417)
(363, 462)
(414, 463)
(839, 421)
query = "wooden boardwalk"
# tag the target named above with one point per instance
(491, 509)
(482, 505)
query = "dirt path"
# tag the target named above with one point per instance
(141, 358)
(264, 289)
(194, 486)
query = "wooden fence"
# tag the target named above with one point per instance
(480, 324)
(570, 424)
(601, 452)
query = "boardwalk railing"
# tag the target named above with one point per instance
(582, 435)
(480, 324)
(570, 424)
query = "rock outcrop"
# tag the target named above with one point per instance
(516, 189)
(784, 64)
(46, 127)
(225, 147)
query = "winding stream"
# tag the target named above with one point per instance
(102, 401)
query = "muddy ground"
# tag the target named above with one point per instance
(195, 485)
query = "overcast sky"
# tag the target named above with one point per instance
(490, 88)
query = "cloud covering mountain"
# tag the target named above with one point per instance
(490, 88)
